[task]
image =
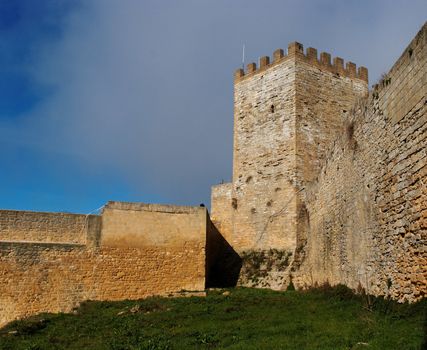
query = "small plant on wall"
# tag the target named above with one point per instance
(262, 267)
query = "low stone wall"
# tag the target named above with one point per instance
(41, 277)
(43, 227)
(141, 225)
(45, 277)
(146, 250)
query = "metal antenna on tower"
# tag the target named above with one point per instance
(243, 57)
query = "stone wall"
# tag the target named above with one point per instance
(286, 113)
(322, 101)
(146, 225)
(324, 98)
(328, 186)
(330, 179)
(40, 277)
(42, 227)
(264, 156)
(221, 209)
(367, 211)
(166, 255)
(223, 264)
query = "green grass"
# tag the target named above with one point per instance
(331, 318)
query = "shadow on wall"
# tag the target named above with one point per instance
(223, 264)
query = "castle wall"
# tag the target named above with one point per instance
(325, 95)
(222, 261)
(286, 114)
(367, 213)
(328, 186)
(323, 99)
(263, 198)
(143, 225)
(40, 277)
(221, 209)
(42, 227)
(56, 277)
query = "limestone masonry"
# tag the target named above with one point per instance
(329, 180)
(129, 252)
(329, 186)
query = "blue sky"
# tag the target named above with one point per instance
(132, 100)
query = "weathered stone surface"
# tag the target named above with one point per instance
(336, 177)
(42, 227)
(367, 209)
(286, 113)
(159, 250)
(221, 213)
(146, 225)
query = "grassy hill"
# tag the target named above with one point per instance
(327, 318)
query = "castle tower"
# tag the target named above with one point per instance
(286, 113)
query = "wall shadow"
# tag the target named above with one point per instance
(223, 264)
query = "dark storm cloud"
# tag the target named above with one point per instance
(145, 87)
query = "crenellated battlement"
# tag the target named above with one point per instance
(296, 51)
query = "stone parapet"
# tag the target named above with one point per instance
(296, 52)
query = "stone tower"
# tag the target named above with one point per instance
(286, 114)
